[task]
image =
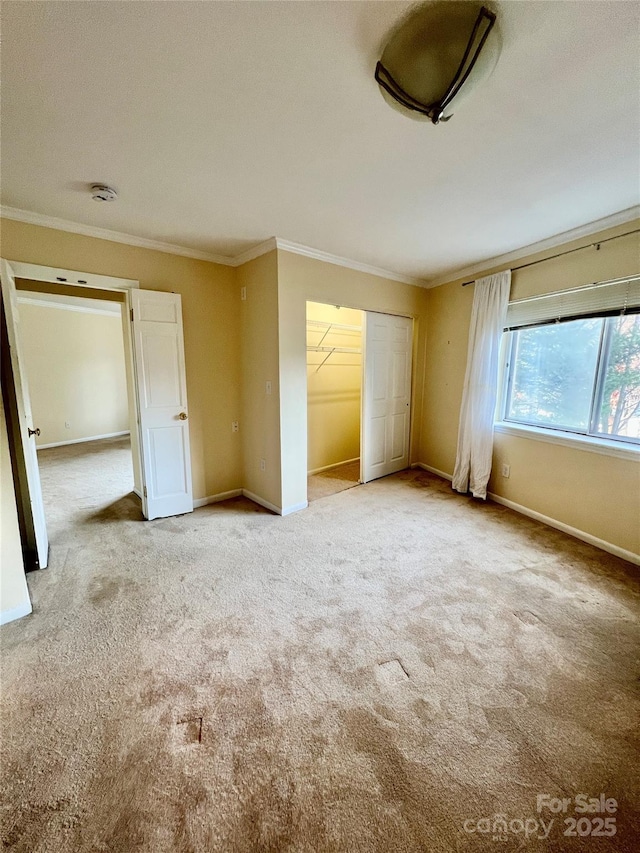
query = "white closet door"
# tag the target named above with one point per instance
(387, 395)
(28, 473)
(162, 399)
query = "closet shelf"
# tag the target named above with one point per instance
(330, 351)
(322, 324)
(324, 328)
(353, 350)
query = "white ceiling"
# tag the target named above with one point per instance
(224, 123)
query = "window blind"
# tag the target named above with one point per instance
(601, 299)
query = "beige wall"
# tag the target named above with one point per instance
(14, 595)
(211, 312)
(76, 372)
(302, 279)
(260, 339)
(274, 428)
(233, 347)
(333, 388)
(594, 493)
(260, 422)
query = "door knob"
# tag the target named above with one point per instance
(183, 416)
(35, 431)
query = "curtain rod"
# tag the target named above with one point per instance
(568, 252)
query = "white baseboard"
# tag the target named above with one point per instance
(82, 440)
(258, 500)
(14, 613)
(432, 470)
(214, 499)
(334, 465)
(294, 508)
(566, 528)
(609, 547)
(234, 493)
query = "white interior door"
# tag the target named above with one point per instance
(161, 385)
(25, 433)
(386, 414)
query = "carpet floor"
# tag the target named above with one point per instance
(333, 480)
(396, 668)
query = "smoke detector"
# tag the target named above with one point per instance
(100, 192)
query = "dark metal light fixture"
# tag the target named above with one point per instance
(439, 53)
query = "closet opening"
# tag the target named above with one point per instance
(334, 395)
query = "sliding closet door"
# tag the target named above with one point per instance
(386, 412)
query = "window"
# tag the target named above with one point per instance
(580, 376)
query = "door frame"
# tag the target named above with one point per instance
(92, 281)
(323, 300)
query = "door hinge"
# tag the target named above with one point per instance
(144, 491)
(131, 314)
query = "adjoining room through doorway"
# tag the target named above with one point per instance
(74, 359)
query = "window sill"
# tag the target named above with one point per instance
(577, 442)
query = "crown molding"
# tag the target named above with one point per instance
(261, 249)
(45, 221)
(272, 243)
(620, 218)
(308, 252)
(269, 245)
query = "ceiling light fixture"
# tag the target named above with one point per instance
(438, 53)
(101, 192)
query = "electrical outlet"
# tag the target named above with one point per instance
(263, 465)
(67, 425)
(243, 293)
(268, 386)
(506, 470)
(235, 426)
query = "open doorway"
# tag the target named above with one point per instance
(75, 365)
(334, 394)
(151, 323)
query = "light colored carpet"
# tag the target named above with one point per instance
(366, 675)
(79, 480)
(332, 481)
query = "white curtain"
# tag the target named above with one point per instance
(475, 434)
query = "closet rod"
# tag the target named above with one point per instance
(324, 325)
(352, 350)
(568, 252)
